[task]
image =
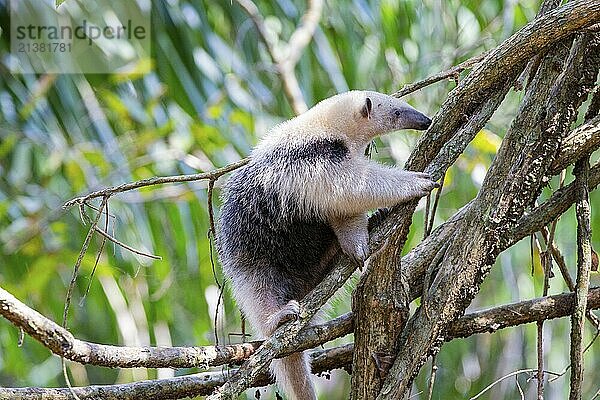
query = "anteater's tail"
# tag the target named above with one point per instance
(292, 374)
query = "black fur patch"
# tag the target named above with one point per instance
(334, 150)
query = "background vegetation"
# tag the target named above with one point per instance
(203, 100)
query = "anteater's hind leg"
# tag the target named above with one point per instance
(292, 373)
(266, 313)
(289, 312)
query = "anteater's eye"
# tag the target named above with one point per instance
(397, 113)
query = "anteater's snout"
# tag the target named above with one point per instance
(417, 120)
(424, 123)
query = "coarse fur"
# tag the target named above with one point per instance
(308, 187)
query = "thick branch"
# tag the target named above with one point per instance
(486, 321)
(172, 388)
(524, 312)
(61, 342)
(582, 140)
(416, 261)
(584, 266)
(501, 201)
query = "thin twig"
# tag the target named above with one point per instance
(127, 247)
(519, 387)
(243, 326)
(212, 232)
(435, 202)
(540, 359)
(452, 72)
(67, 379)
(157, 181)
(89, 285)
(545, 259)
(82, 215)
(212, 236)
(93, 207)
(84, 248)
(434, 369)
(216, 321)
(426, 217)
(540, 324)
(414, 396)
(518, 372)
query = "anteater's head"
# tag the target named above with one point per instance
(364, 115)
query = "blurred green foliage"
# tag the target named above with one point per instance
(201, 102)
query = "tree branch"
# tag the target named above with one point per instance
(211, 175)
(524, 312)
(584, 266)
(61, 342)
(583, 140)
(172, 388)
(416, 261)
(509, 187)
(452, 72)
(501, 64)
(485, 321)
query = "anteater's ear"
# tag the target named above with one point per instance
(366, 109)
